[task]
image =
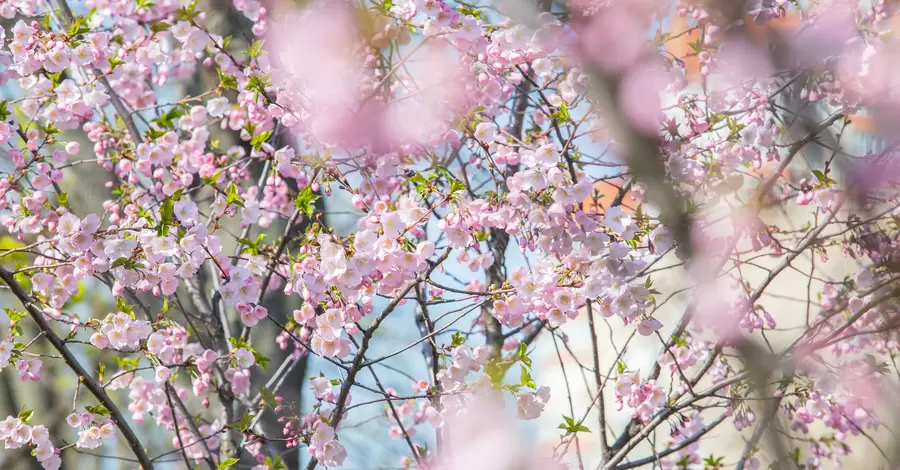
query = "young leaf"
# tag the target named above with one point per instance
(25, 415)
(166, 214)
(254, 49)
(525, 379)
(304, 200)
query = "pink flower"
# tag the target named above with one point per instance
(74, 420)
(40, 282)
(162, 374)
(239, 378)
(89, 438)
(649, 326)
(485, 132)
(322, 389)
(420, 386)
(29, 369)
(244, 358)
(530, 405)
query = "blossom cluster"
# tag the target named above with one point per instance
(643, 398)
(16, 433)
(471, 151)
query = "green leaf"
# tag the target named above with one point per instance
(824, 178)
(166, 214)
(252, 246)
(51, 128)
(25, 415)
(124, 307)
(523, 354)
(79, 296)
(305, 199)
(275, 463)
(187, 13)
(227, 463)
(254, 49)
(167, 120)
(244, 423)
(456, 186)
(259, 139)
(227, 81)
(113, 62)
(525, 379)
(15, 315)
(620, 366)
(267, 397)
(570, 425)
(457, 339)
(160, 26)
(697, 46)
(210, 180)
(98, 410)
(258, 83)
(54, 78)
(46, 22)
(496, 370)
(417, 178)
(232, 196)
(661, 37)
(562, 114)
(77, 27)
(155, 133)
(469, 11)
(127, 363)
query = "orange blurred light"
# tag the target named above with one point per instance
(605, 193)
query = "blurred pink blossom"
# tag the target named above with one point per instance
(639, 98)
(614, 40)
(827, 34)
(740, 59)
(313, 50)
(485, 437)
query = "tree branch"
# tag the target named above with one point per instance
(38, 316)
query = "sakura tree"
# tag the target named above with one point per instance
(416, 195)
